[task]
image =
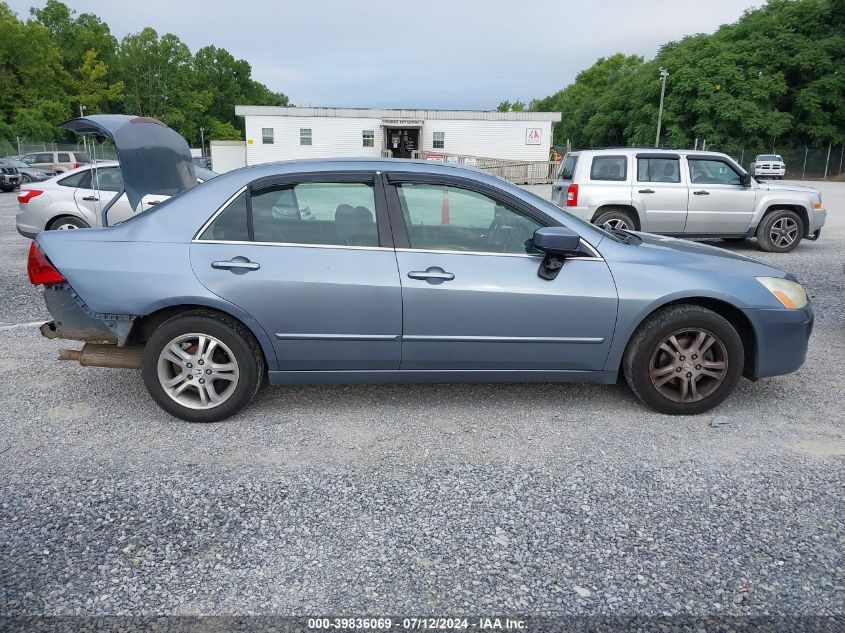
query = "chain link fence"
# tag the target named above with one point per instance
(802, 163)
(100, 151)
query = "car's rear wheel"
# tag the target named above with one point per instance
(67, 223)
(617, 219)
(684, 360)
(780, 231)
(202, 366)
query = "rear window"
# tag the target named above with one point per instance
(609, 168)
(82, 157)
(567, 167)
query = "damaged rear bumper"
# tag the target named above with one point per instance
(73, 320)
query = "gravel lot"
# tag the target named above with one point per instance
(422, 500)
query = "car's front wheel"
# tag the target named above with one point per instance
(684, 360)
(202, 366)
(25, 180)
(780, 231)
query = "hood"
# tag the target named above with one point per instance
(694, 251)
(770, 186)
(153, 158)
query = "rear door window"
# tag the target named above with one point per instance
(107, 179)
(331, 213)
(658, 170)
(63, 157)
(609, 168)
(82, 157)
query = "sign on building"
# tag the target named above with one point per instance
(533, 136)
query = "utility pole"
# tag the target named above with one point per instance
(663, 75)
(202, 141)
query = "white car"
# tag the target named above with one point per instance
(75, 199)
(769, 166)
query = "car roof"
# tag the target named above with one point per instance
(644, 150)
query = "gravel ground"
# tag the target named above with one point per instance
(415, 500)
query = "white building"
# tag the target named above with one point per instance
(285, 133)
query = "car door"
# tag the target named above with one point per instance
(471, 295)
(660, 192)
(97, 190)
(310, 257)
(718, 203)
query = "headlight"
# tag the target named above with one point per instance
(790, 294)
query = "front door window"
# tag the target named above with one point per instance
(453, 219)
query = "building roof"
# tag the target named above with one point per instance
(383, 113)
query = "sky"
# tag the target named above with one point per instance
(435, 54)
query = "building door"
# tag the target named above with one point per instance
(402, 142)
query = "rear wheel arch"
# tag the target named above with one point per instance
(728, 311)
(629, 210)
(61, 216)
(144, 326)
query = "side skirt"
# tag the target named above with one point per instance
(363, 377)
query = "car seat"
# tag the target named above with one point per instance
(355, 226)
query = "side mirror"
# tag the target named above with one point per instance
(557, 240)
(745, 179)
(558, 243)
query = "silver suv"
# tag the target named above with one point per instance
(686, 193)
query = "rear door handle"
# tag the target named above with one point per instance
(646, 190)
(233, 263)
(433, 274)
(90, 198)
(701, 193)
(154, 202)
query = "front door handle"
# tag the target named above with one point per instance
(90, 198)
(646, 190)
(432, 275)
(701, 193)
(243, 264)
(154, 202)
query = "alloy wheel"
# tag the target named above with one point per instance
(689, 365)
(198, 371)
(617, 223)
(66, 227)
(783, 232)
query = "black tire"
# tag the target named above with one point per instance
(645, 347)
(616, 217)
(776, 225)
(69, 222)
(233, 335)
(7, 189)
(25, 180)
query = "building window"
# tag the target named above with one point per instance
(305, 136)
(267, 136)
(369, 137)
(439, 140)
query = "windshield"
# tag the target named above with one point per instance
(15, 163)
(769, 157)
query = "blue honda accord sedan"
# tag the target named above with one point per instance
(391, 271)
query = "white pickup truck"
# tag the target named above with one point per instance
(686, 193)
(769, 166)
